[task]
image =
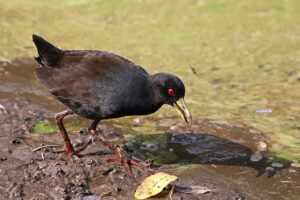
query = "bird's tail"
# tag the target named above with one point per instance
(49, 55)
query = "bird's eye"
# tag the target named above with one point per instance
(171, 92)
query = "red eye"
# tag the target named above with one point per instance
(171, 92)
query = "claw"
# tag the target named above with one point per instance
(127, 167)
(75, 152)
(123, 156)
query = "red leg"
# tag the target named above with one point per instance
(59, 120)
(69, 148)
(124, 158)
(121, 154)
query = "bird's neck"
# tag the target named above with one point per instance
(154, 90)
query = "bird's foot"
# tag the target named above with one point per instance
(121, 153)
(127, 161)
(71, 151)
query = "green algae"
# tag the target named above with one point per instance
(48, 126)
(44, 126)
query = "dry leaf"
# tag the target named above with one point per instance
(171, 192)
(153, 185)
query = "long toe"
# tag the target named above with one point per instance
(77, 151)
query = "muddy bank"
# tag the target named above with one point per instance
(28, 174)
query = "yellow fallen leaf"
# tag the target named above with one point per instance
(153, 185)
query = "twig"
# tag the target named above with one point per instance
(42, 147)
(241, 172)
(2, 108)
(171, 192)
(214, 166)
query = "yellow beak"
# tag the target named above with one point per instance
(183, 111)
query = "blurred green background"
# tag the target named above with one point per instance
(239, 59)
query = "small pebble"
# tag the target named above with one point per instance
(277, 165)
(137, 121)
(270, 158)
(262, 146)
(270, 170)
(90, 162)
(3, 158)
(295, 164)
(83, 131)
(292, 171)
(16, 141)
(149, 146)
(3, 109)
(129, 141)
(118, 189)
(256, 158)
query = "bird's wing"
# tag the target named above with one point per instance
(78, 67)
(94, 79)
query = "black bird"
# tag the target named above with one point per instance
(100, 85)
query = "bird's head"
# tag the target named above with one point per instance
(169, 89)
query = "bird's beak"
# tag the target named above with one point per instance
(183, 111)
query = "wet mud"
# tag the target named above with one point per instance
(28, 173)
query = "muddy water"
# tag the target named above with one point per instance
(256, 153)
